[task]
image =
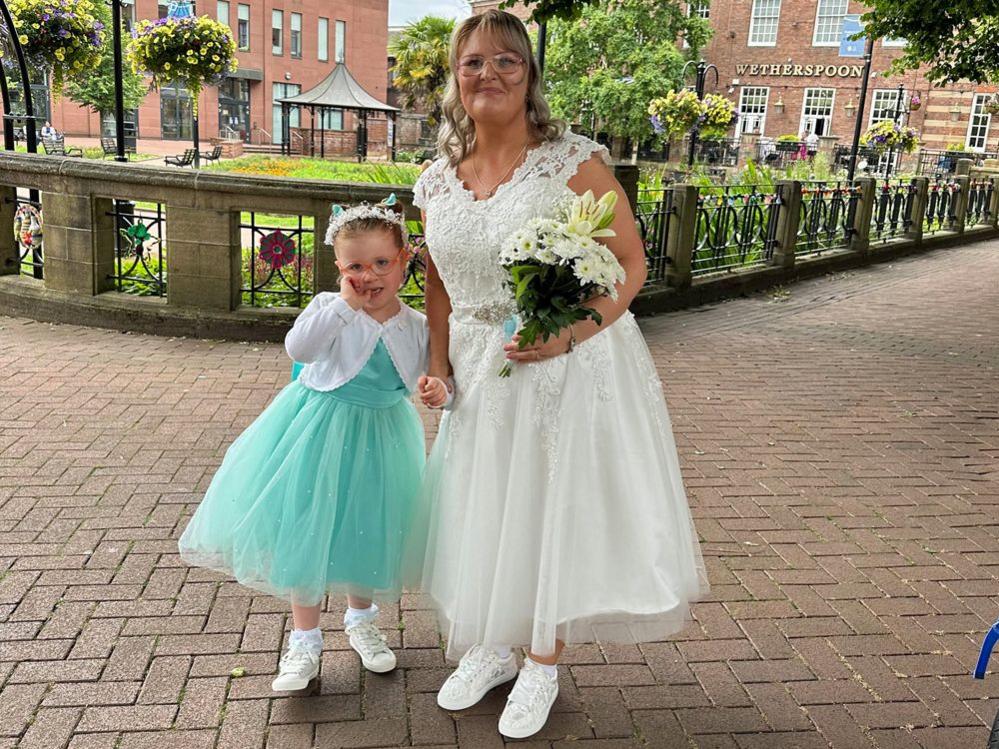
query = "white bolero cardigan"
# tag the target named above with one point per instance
(334, 342)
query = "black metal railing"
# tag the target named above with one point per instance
(945, 162)
(278, 260)
(139, 257)
(29, 235)
(716, 152)
(892, 213)
(414, 286)
(653, 213)
(779, 153)
(826, 218)
(979, 209)
(736, 228)
(941, 205)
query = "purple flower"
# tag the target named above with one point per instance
(657, 124)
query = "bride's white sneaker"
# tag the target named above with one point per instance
(299, 665)
(479, 670)
(529, 703)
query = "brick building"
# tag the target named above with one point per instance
(285, 47)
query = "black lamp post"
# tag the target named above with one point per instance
(702, 74)
(895, 118)
(119, 93)
(868, 53)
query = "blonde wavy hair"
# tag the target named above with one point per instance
(457, 130)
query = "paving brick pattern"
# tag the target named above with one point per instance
(840, 442)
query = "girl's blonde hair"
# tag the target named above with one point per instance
(457, 131)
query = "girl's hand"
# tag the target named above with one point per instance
(433, 392)
(540, 350)
(350, 294)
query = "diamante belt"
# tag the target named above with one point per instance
(493, 313)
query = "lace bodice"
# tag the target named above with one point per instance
(464, 234)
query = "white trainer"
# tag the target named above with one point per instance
(529, 703)
(369, 643)
(299, 665)
(479, 670)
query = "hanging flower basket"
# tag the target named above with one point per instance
(915, 102)
(718, 116)
(194, 51)
(992, 105)
(64, 37)
(675, 113)
(889, 134)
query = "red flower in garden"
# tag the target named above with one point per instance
(277, 249)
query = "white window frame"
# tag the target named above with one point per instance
(755, 18)
(240, 20)
(843, 5)
(222, 11)
(756, 92)
(804, 106)
(700, 8)
(889, 42)
(891, 94)
(277, 24)
(295, 34)
(978, 112)
(340, 38)
(323, 37)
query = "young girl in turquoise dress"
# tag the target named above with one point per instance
(318, 495)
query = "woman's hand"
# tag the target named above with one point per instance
(434, 391)
(350, 294)
(540, 350)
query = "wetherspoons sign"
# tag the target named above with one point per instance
(790, 70)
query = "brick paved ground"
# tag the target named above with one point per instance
(840, 443)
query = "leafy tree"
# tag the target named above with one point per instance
(618, 56)
(956, 39)
(95, 89)
(421, 63)
(546, 10)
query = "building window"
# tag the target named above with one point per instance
(128, 14)
(243, 27)
(763, 23)
(699, 8)
(162, 9)
(323, 35)
(829, 23)
(341, 41)
(223, 11)
(752, 109)
(296, 35)
(283, 91)
(331, 119)
(889, 42)
(277, 32)
(816, 111)
(883, 105)
(978, 127)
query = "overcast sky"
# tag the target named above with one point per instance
(404, 11)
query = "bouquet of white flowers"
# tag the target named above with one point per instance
(557, 264)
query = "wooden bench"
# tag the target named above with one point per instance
(57, 147)
(184, 159)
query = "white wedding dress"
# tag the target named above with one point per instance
(557, 508)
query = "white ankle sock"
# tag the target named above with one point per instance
(311, 638)
(503, 652)
(354, 616)
(550, 670)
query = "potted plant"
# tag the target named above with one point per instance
(888, 134)
(195, 51)
(788, 143)
(63, 37)
(915, 102)
(992, 105)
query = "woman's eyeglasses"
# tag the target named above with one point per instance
(381, 267)
(503, 64)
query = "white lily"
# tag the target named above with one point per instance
(589, 217)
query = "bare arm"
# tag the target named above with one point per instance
(438, 311)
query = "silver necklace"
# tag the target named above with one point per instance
(475, 173)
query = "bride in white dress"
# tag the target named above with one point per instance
(558, 510)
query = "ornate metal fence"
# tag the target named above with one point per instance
(892, 214)
(414, 286)
(653, 213)
(827, 214)
(29, 233)
(941, 205)
(736, 228)
(278, 260)
(140, 260)
(979, 202)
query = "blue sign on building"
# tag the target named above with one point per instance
(851, 47)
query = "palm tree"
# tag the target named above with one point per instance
(421, 63)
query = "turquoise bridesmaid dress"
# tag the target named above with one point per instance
(318, 494)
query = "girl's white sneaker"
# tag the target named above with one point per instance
(529, 703)
(369, 643)
(479, 670)
(299, 665)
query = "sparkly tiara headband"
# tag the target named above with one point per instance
(340, 217)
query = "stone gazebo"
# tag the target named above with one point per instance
(339, 91)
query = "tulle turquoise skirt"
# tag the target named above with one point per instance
(318, 495)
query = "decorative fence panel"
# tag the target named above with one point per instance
(140, 257)
(29, 234)
(278, 259)
(979, 209)
(827, 216)
(654, 213)
(736, 228)
(892, 214)
(941, 206)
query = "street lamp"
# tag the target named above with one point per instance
(896, 114)
(119, 93)
(702, 74)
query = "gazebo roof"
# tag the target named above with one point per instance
(341, 90)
